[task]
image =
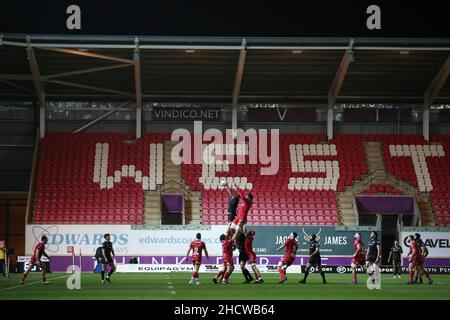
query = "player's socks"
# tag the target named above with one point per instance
(306, 275)
(323, 277)
(411, 276)
(248, 277)
(426, 275)
(110, 272)
(103, 275)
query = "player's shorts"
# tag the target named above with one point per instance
(101, 260)
(239, 219)
(231, 217)
(287, 260)
(251, 257)
(416, 260)
(315, 262)
(242, 256)
(396, 261)
(196, 261)
(358, 261)
(110, 260)
(228, 261)
(34, 262)
(371, 259)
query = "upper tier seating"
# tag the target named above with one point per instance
(439, 169)
(95, 178)
(100, 178)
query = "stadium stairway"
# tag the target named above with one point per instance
(172, 172)
(172, 183)
(426, 211)
(374, 156)
(152, 207)
(344, 202)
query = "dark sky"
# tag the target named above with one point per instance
(277, 18)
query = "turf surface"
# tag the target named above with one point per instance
(175, 286)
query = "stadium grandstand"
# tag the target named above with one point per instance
(88, 122)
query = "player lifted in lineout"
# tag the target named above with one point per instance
(228, 241)
(314, 259)
(233, 202)
(291, 246)
(240, 221)
(358, 258)
(197, 247)
(39, 251)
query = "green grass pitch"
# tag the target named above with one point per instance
(173, 286)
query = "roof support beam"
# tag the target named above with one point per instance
(437, 84)
(87, 125)
(15, 85)
(39, 87)
(88, 54)
(19, 77)
(84, 71)
(237, 85)
(94, 88)
(138, 88)
(336, 86)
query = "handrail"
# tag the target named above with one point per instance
(381, 174)
(32, 176)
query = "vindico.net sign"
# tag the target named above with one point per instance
(438, 243)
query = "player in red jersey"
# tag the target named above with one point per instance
(291, 246)
(241, 219)
(39, 251)
(424, 254)
(227, 255)
(251, 255)
(197, 246)
(358, 257)
(414, 257)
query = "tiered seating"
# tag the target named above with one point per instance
(381, 188)
(97, 178)
(94, 178)
(351, 158)
(404, 157)
(302, 192)
(439, 168)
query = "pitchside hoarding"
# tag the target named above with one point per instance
(438, 243)
(169, 242)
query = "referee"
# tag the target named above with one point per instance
(314, 259)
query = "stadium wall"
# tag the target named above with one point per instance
(12, 223)
(17, 136)
(297, 127)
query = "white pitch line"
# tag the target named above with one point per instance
(31, 283)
